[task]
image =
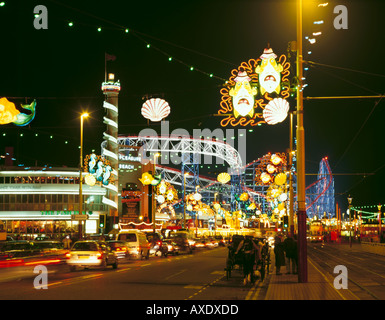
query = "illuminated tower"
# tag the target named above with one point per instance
(110, 148)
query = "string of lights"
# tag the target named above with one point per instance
(368, 214)
(141, 36)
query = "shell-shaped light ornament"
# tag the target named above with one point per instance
(276, 111)
(223, 177)
(155, 109)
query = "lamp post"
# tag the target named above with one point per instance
(291, 191)
(215, 215)
(184, 200)
(156, 155)
(84, 115)
(379, 222)
(350, 199)
(300, 133)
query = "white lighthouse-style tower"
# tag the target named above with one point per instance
(111, 89)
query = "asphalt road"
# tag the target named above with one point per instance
(197, 276)
(190, 278)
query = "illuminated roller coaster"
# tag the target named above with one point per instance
(319, 195)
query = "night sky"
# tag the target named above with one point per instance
(63, 68)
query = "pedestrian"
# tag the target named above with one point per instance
(290, 248)
(279, 254)
(67, 242)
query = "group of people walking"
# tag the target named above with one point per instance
(285, 251)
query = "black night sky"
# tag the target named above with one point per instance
(63, 68)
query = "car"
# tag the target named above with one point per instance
(18, 249)
(42, 238)
(208, 243)
(214, 242)
(90, 253)
(199, 243)
(48, 246)
(136, 242)
(157, 248)
(315, 238)
(120, 249)
(182, 240)
(172, 247)
(221, 240)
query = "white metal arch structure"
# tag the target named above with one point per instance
(185, 144)
(174, 176)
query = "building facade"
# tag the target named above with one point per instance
(42, 201)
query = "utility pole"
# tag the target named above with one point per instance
(300, 132)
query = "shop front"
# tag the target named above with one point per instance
(54, 224)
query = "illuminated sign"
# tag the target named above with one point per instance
(126, 166)
(65, 213)
(256, 92)
(9, 113)
(131, 196)
(129, 158)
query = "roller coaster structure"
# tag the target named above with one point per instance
(319, 195)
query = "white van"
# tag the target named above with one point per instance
(136, 243)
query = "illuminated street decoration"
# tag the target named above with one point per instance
(99, 170)
(166, 193)
(90, 180)
(271, 169)
(243, 95)
(269, 72)
(252, 87)
(155, 109)
(252, 206)
(194, 203)
(276, 111)
(244, 196)
(148, 179)
(9, 113)
(272, 173)
(280, 179)
(223, 177)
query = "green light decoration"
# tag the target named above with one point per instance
(9, 113)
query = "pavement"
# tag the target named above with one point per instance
(319, 285)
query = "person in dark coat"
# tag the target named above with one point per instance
(290, 247)
(279, 253)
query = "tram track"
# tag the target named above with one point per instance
(328, 257)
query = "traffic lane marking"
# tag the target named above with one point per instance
(175, 274)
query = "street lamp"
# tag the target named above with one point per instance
(156, 155)
(84, 115)
(291, 191)
(379, 222)
(350, 199)
(215, 215)
(184, 200)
